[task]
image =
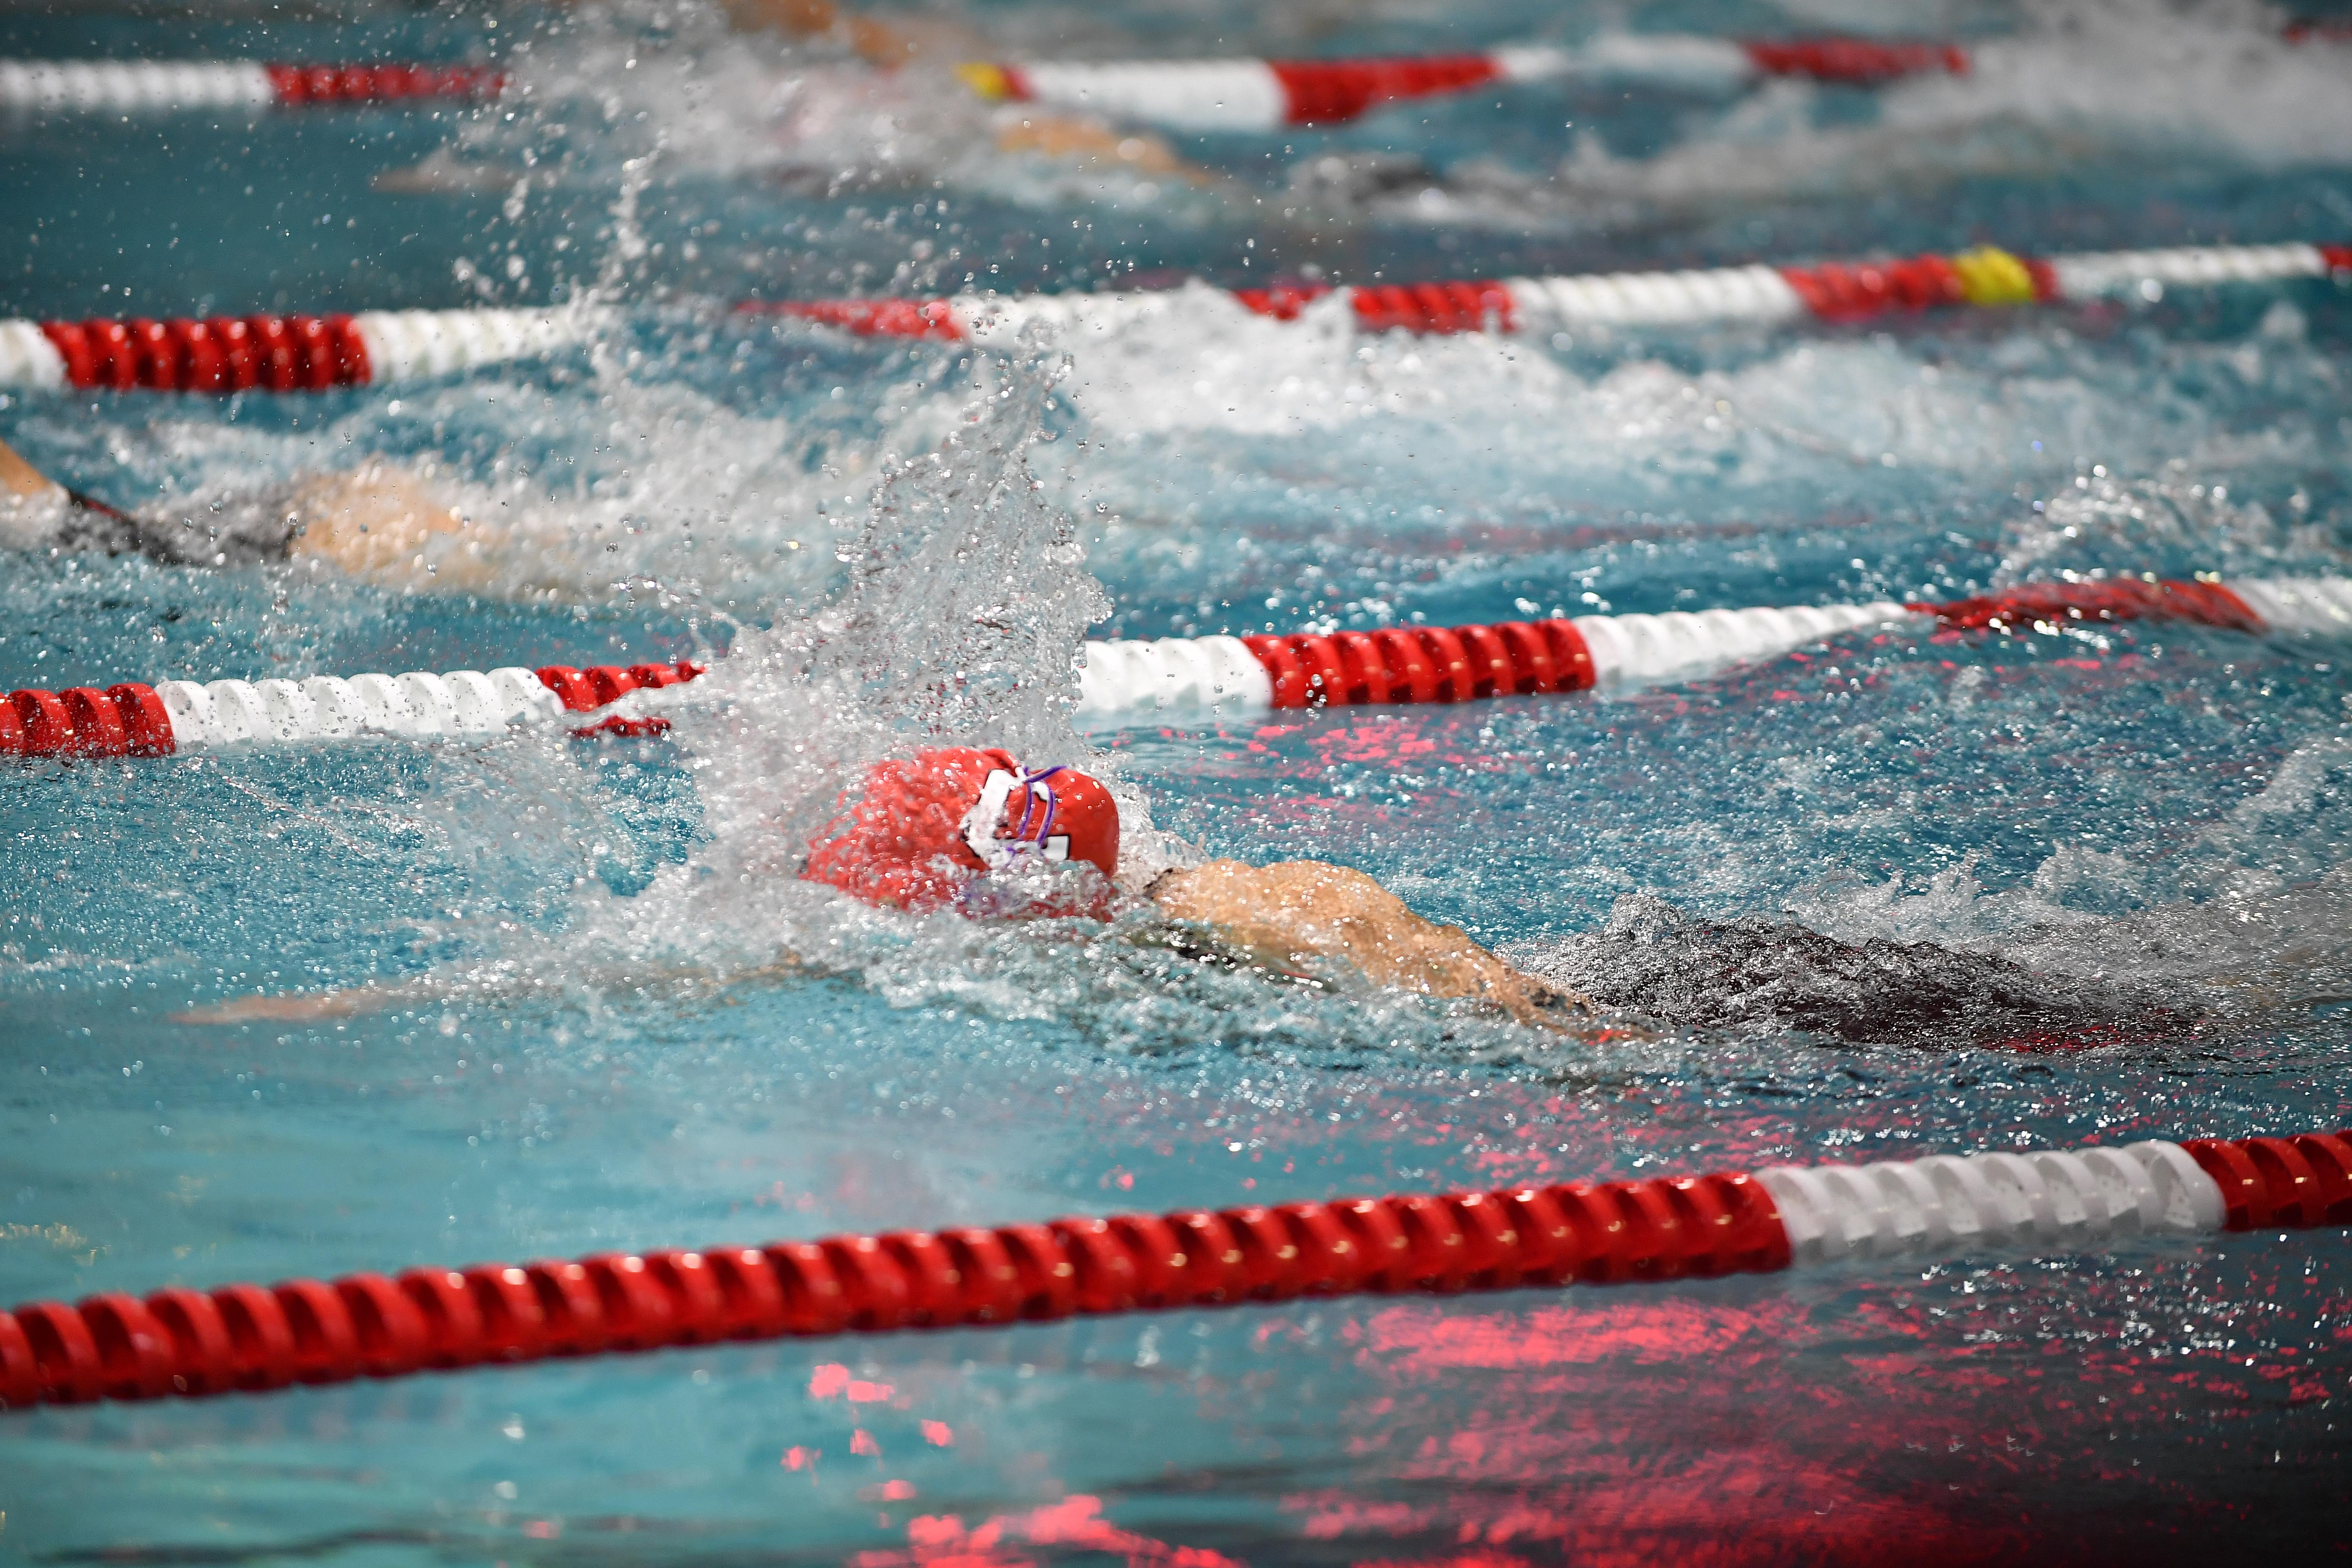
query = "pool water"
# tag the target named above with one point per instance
(618, 1025)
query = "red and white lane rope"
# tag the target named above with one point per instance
(249, 1338)
(1832, 291)
(133, 720)
(1197, 95)
(132, 87)
(278, 354)
(1129, 682)
(305, 354)
(1266, 95)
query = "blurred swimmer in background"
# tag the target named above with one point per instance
(379, 522)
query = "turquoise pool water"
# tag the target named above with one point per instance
(620, 1033)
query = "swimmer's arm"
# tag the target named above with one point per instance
(1302, 911)
(81, 522)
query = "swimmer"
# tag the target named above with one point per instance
(923, 834)
(973, 831)
(921, 41)
(885, 44)
(922, 45)
(378, 523)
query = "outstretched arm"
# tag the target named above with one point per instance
(1305, 911)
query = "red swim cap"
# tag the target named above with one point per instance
(923, 828)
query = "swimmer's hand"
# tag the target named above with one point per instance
(1301, 912)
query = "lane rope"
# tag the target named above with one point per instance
(1266, 95)
(1128, 682)
(267, 352)
(1228, 94)
(136, 86)
(1233, 94)
(1837, 291)
(270, 352)
(1134, 681)
(134, 719)
(1172, 678)
(249, 1338)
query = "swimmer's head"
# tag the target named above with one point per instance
(924, 829)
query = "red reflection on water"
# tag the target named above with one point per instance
(1074, 1524)
(1416, 1343)
(1673, 1428)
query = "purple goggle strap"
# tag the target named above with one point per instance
(1029, 803)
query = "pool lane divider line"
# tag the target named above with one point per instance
(1266, 95)
(250, 1338)
(1230, 94)
(1832, 292)
(1220, 94)
(1244, 94)
(134, 719)
(1132, 682)
(272, 352)
(134, 87)
(1173, 678)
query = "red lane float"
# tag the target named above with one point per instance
(247, 1338)
(131, 87)
(226, 353)
(133, 720)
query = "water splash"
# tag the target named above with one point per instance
(2115, 85)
